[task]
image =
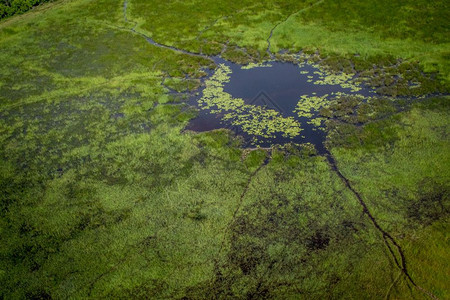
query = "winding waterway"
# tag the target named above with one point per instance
(276, 86)
(279, 86)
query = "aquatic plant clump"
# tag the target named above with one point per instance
(344, 80)
(256, 65)
(308, 106)
(326, 77)
(282, 113)
(254, 120)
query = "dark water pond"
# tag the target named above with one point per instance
(278, 87)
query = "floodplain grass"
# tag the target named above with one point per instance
(382, 28)
(405, 182)
(103, 196)
(378, 30)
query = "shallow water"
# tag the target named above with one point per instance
(278, 87)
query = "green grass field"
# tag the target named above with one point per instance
(105, 195)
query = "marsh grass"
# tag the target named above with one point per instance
(103, 196)
(371, 32)
(406, 170)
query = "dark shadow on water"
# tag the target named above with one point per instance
(278, 87)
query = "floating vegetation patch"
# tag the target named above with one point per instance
(344, 80)
(273, 102)
(256, 65)
(254, 120)
(310, 104)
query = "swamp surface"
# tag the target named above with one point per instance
(225, 150)
(279, 87)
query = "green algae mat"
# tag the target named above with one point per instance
(111, 187)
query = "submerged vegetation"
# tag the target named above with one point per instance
(104, 194)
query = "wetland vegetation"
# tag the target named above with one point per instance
(120, 176)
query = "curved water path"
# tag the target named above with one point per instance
(153, 42)
(279, 87)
